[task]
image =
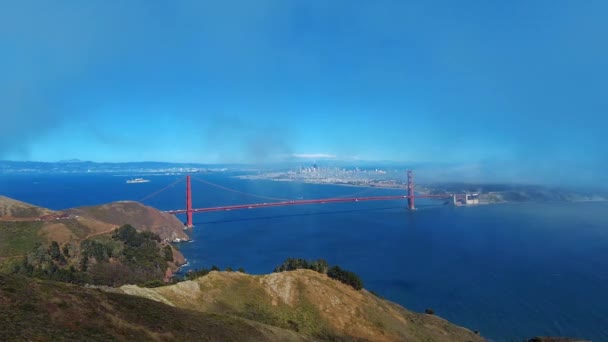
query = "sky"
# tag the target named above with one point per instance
(501, 89)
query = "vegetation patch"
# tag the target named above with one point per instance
(126, 257)
(321, 266)
(31, 310)
(18, 238)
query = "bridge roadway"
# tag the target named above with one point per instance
(300, 202)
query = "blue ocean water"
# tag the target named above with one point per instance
(510, 271)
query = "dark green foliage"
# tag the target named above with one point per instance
(193, 274)
(128, 257)
(153, 283)
(347, 277)
(132, 238)
(321, 266)
(228, 269)
(292, 264)
(55, 252)
(168, 253)
(215, 268)
(242, 270)
(429, 311)
(99, 250)
(66, 250)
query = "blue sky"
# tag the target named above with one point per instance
(505, 88)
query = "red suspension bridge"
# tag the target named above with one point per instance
(279, 202)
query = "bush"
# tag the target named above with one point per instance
(153, 283)
(429, 311)
(321, 266)
(168, 253)
(193, 274)
(291, 264)
(346, 277)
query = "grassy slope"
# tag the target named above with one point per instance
(307, 302)
(14, 208)
(49, 311)
(135, 214)
(18, 238)
(19, 231)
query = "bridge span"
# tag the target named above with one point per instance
(277, 202)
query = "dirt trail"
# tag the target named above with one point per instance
(99, 233)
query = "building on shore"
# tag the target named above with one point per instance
(465, 199)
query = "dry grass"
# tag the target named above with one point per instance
(309, 303)
(136, 214)
(32, 310)
(18, 209)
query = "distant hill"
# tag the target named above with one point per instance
(34, 310)
(23, 226)
(16, 209)
(127, 256)
(306, 302)
(146, 218)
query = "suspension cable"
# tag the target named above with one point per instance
(368, 189)
(239, 192)
(161, 190)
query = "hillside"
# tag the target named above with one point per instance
(146, 218)
(124, 257)
(306, 302)
(23, 225)
(34, 310)
(10, 208)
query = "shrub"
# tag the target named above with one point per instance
(429, 311)
(153, 283)
(321, 266)
(168, 253)
(346, 277)
(193, 274)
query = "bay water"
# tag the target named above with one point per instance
(510, 271)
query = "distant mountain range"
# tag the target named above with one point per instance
(80, 166)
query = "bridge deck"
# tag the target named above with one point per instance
(301, 202)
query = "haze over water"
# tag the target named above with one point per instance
(510, 271)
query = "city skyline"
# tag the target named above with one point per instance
(501, 91)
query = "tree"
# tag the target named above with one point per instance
(215, 268)
(242, 270)
(168, 253)
(346, 277)
(66, 250)
(321, 266)
(228, 269)
(54, 251)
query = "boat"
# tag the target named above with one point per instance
(137, 180)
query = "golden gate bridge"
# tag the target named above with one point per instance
(410, 196)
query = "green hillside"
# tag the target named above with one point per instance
(35, 310)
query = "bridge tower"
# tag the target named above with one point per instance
(188, 203)
(410, 190)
